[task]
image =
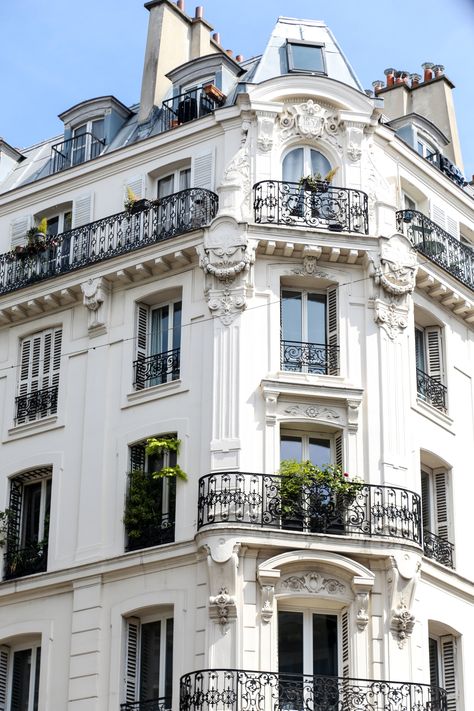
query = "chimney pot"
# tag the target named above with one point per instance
(369, 93)
(438, 70)
(378, 85)
(398, 77)
(239, 58)
(216, 37)
(180, 4)
(415, 80)
(199, 12)
(229, 52)
(389, 73)
(427, 73)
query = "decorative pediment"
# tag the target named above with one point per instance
(310, 121)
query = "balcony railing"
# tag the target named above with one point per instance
(185, 107)
(235, 690)
(156, 369)
(155, 534)
(161, 704)
(109, 237)
(439, 549)
(431, 390)
(317, 358)
(26, 561)
(448, 168)
(438, 245)
(35, 405)
(257, 500)
(332, 208)
(75, 151)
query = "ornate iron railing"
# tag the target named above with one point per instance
(161, 704)
(431, 390)
(185, 107)
(156, 369)
(439, 549)
(335, 209)
(37, 404)
(26, 561)
(75, 151)
(236, 690)
(260, 500)
(109, 237)
(156, 534)
(309, 357)
(448, 168)
(438, 245)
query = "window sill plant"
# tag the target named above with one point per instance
(316, 183)
(133, 204)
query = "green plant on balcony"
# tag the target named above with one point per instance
(37, 241)
(316, 183)
(133, 203)
(5, 517)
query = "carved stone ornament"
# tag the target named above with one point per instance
(393, 319)
(312, 411)
(227, 305)
(313, 583)
(268, 592)
(402, 623)
(398, 266)
(309, 268)
(362, 606)
(222, 564)
(265, 126)
(309, 120)
(402, 579)
(354, 152)
(94, 293)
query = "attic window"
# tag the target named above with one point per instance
(305, 57)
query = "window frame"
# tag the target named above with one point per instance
(307, 168)
(144, 323)
(90, 140)
(36, 371)
(292, 69)
(34, 672)
(335, 439)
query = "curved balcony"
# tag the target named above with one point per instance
(256, 500)
(109, 237)
(438, 245)
(236, 690)
(327, 208)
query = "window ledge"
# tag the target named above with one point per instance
(27, 428)
(153, 393)
(433, 414)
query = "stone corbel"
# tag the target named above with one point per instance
(362, 588)
(353, 407)
(265, 126)
(392, 318)
(95, 298)
(402, 578)
(271, 404)
(268, 581)
(222, 565)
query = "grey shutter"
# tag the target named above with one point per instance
(18, 229)
(82, 210)
(338, 451)
(441, 495)
(345, 643)
(202, 172)
(448, 658)
(434, 352)
(137, 185)
(433, 651)
(4, 656)
(332, 332)
(143, 328)
(426, 501)
(131, 659)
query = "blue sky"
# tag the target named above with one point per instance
(55, 53)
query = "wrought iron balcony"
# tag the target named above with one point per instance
(75, 151)
(26, 561)
(448, 168)
(439, 549)
(109, 237)
(330, 208)
(35, 405)
(316, 358)
(438, 245)
(259, 500)
(234, 690)
(186, 107)
(156, 369)
(431, 390)
(161, 704)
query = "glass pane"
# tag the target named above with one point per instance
(319, 451)
(420, 349)
(80, 130)
(291, 448)
(98, 129)
(159, 330)
(185, 179)
(166, 186)
(306, 58)
(293, 166)
(67, 221)
(20, 693)
(169, 659)
(325, 645)
(319, 164)
(177, 325)
(31, 513)
(316, 308)
(150, 661)
(290, 642)
(291, 316)
(434, 664)
(53, 225)
(47, 509)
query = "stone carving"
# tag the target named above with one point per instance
(402, 623)
(309, 268)
(313, 583)
(234, 190)
(402, 578)
(321, 413)
(398, 266)
(224, 263)
(268, 592)
(362, 617)
(222, 606)
(227, 305)
(265, 125)
(393, 319)
(222, 563)
(354, 152)
(94, 293)
(309, 120)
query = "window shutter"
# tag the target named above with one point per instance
(452, 226)
(448, 655)
(345, 643)
(137, 457)
(438, 215)
(18, 229)
(136, 185)
(425, 501)
(55, 362)
(332, 338)
(441, 494)
(202, 168)
(14, 521)
(82, 210)
(433, 352)
(434, 661)
(143, 326)
(4, 656)
(131, 659)
(339, 454)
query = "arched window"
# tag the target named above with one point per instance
(304, 161)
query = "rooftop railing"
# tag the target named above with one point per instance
(75, 151)
(327, 207)
(185, 107)
(109, 237)
(438, 245)
(448, 168)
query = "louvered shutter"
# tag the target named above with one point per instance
(14, 520)
(143, 330)
(40, 362)
(345, 643)
(82, 210)
(18, 229)
(332, 335)
(448, 659)
(137, 457)
(438, 215)
(136, 185)
(131, 659)
(55, 366)
(338, 451)
(452, 226)
(425, 501)
(433, 651)
(202, 172)
(4, 656)
(434, 352)
(441, 496)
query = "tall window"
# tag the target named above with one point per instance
(429, 366)
(149, 662)
(435, 512)
(158, 344)
(40, 362)
(28, 526)
(443, 667)
(304, 161)
(309, 338)
(19, 677)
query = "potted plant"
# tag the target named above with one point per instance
(133, 204)
(5, 517)
(316, 183)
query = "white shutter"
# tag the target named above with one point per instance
(40, 361)
(345, 643)
(332, 331)
(137, 185)
(4, 655)
(434, 352)
(452, 226)
(448, 658)
(338, 451)
(438, 215)
(82, 210)
(202, 172)
(441, 498)
(425, 501)
(18, 229)
(143, 328)
(131, 659)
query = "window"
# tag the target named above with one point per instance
(408, 202)
(443, 672)
(40, 361)
(28, 525)
(435, 515)
(305, 57)
(87, 141)
(174, 182)
(149, 662)
(304, 161)
(158, 344)
(426, 149)
(151, 502)
(429, 367)
(19, 677)
(309, 337)
(57, 224)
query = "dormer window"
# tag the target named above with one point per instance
(305, 57)
(87, 141)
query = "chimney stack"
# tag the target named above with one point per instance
(199, 12)
(427, 73)
(390, 74)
